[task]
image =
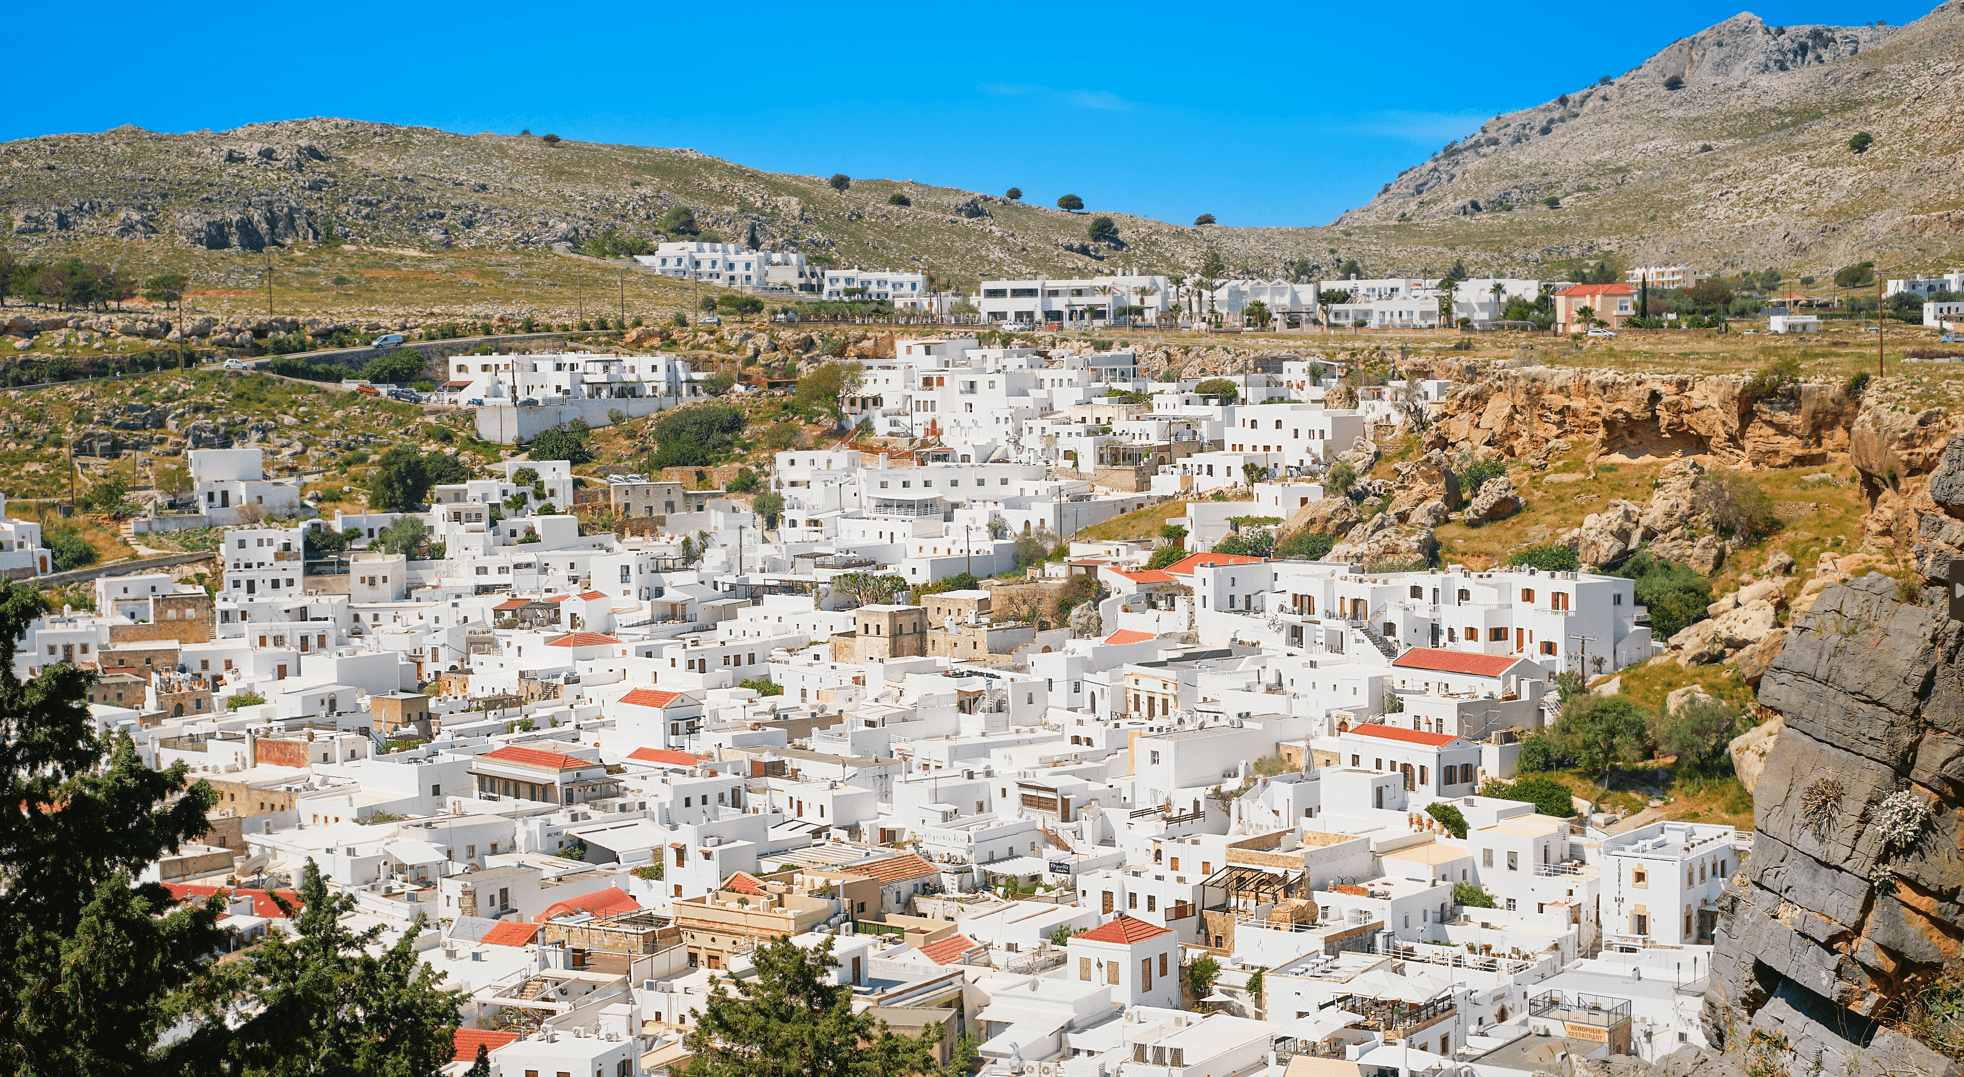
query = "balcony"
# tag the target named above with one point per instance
(1599, 1011)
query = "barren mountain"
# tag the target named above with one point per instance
(1730, 149)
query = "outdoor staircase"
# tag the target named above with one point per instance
(1384, 646)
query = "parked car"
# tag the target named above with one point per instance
(1601, 334)
(1951, 338)
(709, 319)
(1872, 329)
(368, 390)
(387, 340)
(407, 396)
(1015, 327)
(237, 364)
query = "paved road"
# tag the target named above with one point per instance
(120, 568)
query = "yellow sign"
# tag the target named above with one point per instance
(1592, 1033)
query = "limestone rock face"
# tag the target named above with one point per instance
(1330, 516)
(1834, 916)
(1428, 478)
(1607, 536)
(1750, 749)
(1495, 501)
(1384, 542)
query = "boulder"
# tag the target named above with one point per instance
(1607, 536)
(1754, 661)
(647, 334)
(1430, 514)
(1778, 563)
(1386, 543)
(1330, 516)
(1750, 749)
(1495, 501)
(1744, 626)
(1706, 555)
(1428, 478)
(1696, 643)
(1689, 695)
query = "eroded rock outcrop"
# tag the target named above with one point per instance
(1850, 900)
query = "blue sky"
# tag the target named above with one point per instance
(1273, 115)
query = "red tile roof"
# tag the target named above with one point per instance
(1145, 575)
(1584, 290)
(894, 868)
(1185, 565)
(559, 598)
(1440, 660)
(1409, 736)
(534, 757)
(262, 900)
(510, 604)
(1127, 635)
(582, 639)
(665, 755)
(600, 903)
(1125, 930)
(744, 883)
(650, 697)
(949, 950)
(466, 1040)
(510, 933)
(591, 595)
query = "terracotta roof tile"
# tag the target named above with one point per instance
(534, 757)
(894, 868)
(1441, 660)
(465, 1042)
(651, 697)
(510, 933)
(581, 639)
(1124, 930)
(262, 900)
(510, 604)
(1185, 565)
(1598, 289)
(1145, 575)
(743, 883)
(950, 950)
(1127, 635)
(600, 903)
(591, 595)
(1409, 736)
(664, 755)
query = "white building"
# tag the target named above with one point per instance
(21, 552)
(1674, 276)
(231, 487)
(1039, 300)
(898, 287)
(1926, 286)
(726, 264)
(1661, 883)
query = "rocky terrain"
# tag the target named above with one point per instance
(1744, 164)
(1728, 149)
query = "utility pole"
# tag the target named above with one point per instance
(623, 275)
(1878, 325)
(269, 279)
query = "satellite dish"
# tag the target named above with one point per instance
(254, 864)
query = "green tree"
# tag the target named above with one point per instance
(1218, 387)
(768, 506)
(1070, 203)
(398, 367)
(762, 686)
(1861, 142)
(1736, 505)
(108, 493)
(1201, 975)
(679, 222)
(1014, 194)
(1468, 895)
(399, 482)
(481, 1066)
(1304, 545)
(1548, 796)
(1340, 478)
(333, 1000)
(696, 436)
(1257, 312)
(567, 442)
(1698, 734)
(791, 1019)
(868, 589)
(744, 483)
(1449, 816)
(839, 181)
(95, 967)
(445, 469)
(1163, 556)
(823, 391)
(899, 199)
(783, 435)
(405, 536)
(1674, 594)
(1254, 542)
(166, 288)
(1102, 230)
(1602, 733)
(1205, 218)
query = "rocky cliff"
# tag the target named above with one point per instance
(1848, 909)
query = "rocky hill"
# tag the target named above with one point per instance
(1730, 148)
(421, 188)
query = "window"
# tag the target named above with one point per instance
(1513, 861)
(1640, 877)
(1111, 972)
(1131, 901)
(1486, 858)
(1145, 974)
(1084, 969)
(1527, 594)
(1495, 635)
(1547, 646)
(1152, 900)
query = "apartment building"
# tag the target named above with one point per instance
(728, 265)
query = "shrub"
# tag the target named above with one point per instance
(567, 442)
(1552, 557)
(1340, 479)
(1548, 796)
(761, 685)
(1218, 387)
(1775, 379)
(1674, 82)
(244, 699)
(1259, 542)
(696, 436)
(1861, 142)
(650, 872)
(1304, 545)
(71, 551)
(744, 483)
(1856, 384)
(1467, 895)
(1735, 504)
(1102, 230)
(1478, 472)
(1014, 194)
(1453, 819)
(1675, 595)
(1698, 735)
(1164, 556)
(898, 199)
(839, 181)
(1205, 218)
(1071, 203)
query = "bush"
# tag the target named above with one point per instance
(1340, 479)
(651, 872)
(1861, 142)
(898, 199)
(71, 551)
(1601, 733)
(1453, 819)
(744, 483)
(1205, 218)
(1698, 735)
(1552, 557)
(1071, 203)
(839, 181)
(1674, 82)
(1548, 796)
(1014, 194)
(1856, 385)
(1479, 471)
(1102, 230)
(1218, 387)
(567, 442)
(762, 686)
(1675, 595)
(1775, 379)
(1256, 542)
(697, 436)
(1304, 545)
(1164, 556)
(1735, 504)
(244, 699)
(768, 506)
(1467, 895)
(398, 367)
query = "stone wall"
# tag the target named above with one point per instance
(1838, 917)
(279, 752)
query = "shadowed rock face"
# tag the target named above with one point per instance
(1833, 922)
